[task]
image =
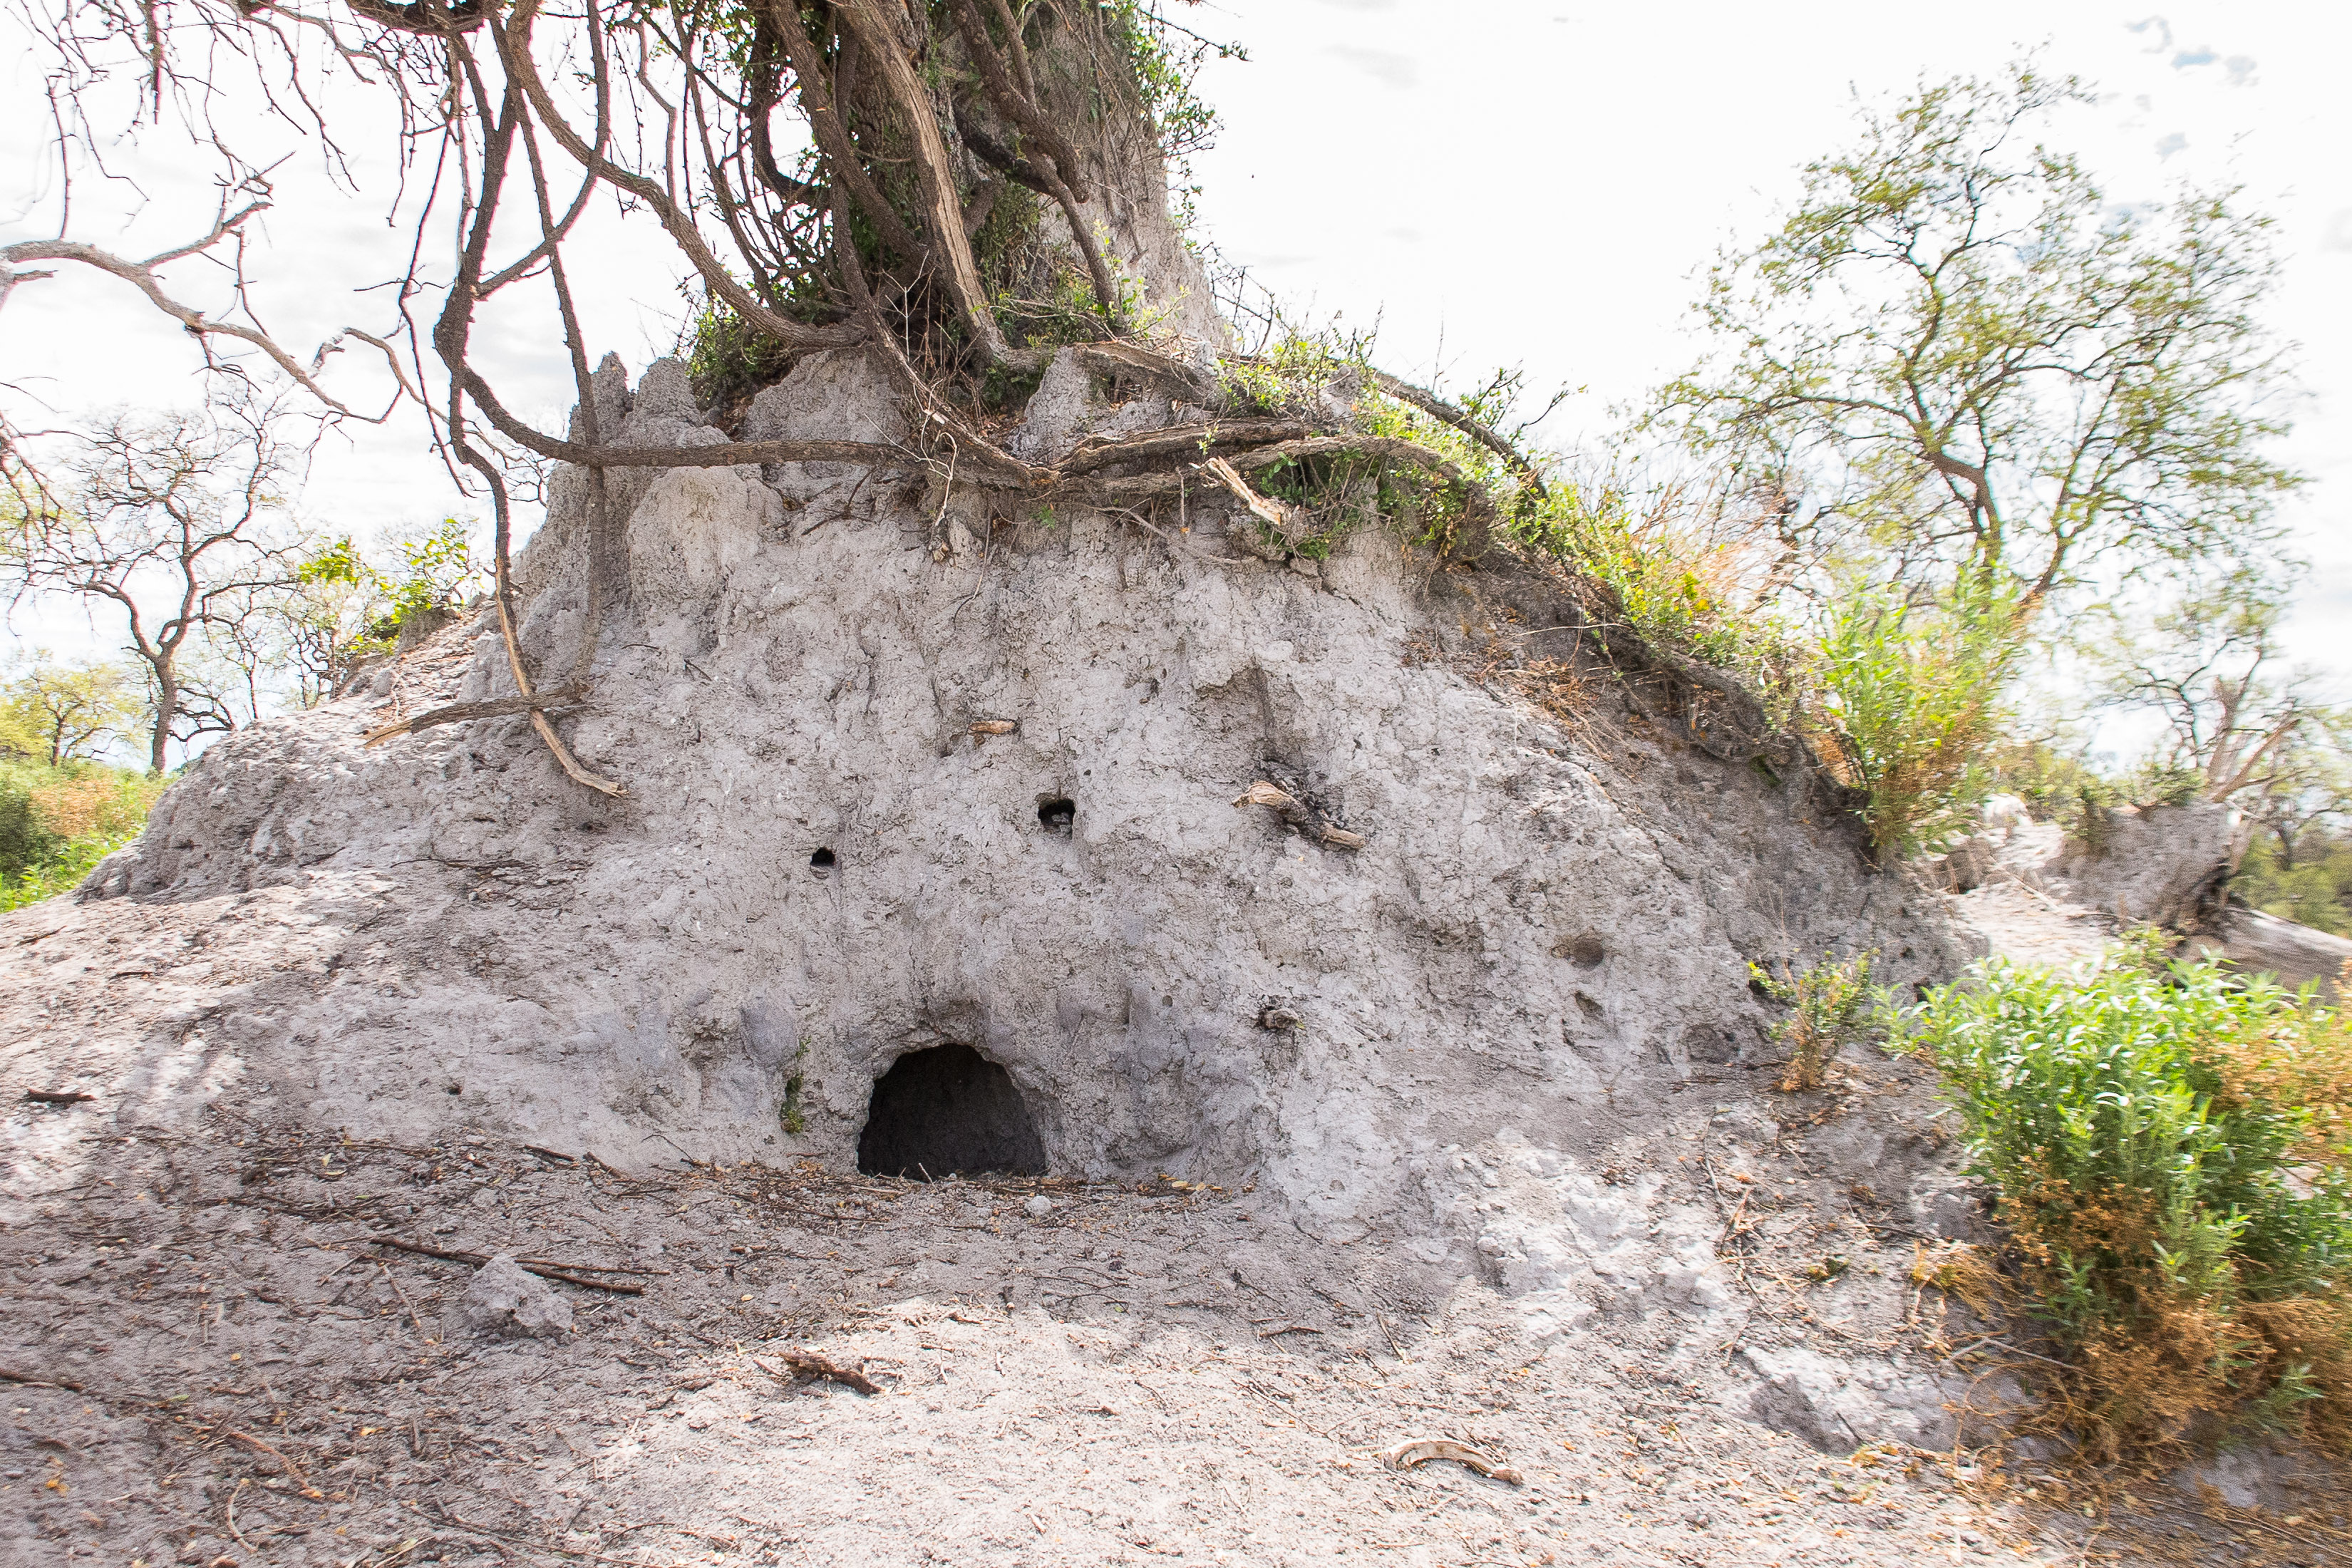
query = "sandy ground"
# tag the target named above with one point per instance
(208, 1357)
(211, 1364)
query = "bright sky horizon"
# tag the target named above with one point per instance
(1537, 183)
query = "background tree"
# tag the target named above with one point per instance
(347, 607)
(172, 529)
(1955, 358)
(64, 711)
(2238, 724)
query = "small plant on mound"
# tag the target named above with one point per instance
(1916, 692)
(1832, 1005)
(2169, 1146)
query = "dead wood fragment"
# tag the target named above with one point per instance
(809, 1366)
(1415, 1451)
(56, 1096)
(292, 1468)
(1264, 793)
(9, 1374)
(1267, 511)
(544, 1270)
(1295, 813)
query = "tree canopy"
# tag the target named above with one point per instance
(1954, 356)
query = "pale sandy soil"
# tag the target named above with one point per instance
(223, 1369)
(208, 1360)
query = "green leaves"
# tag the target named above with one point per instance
(2156, 1133)
(1964, 362)
(1916, 690)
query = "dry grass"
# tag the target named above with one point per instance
(100, 801)
(1958, 1268)
(1557, 687)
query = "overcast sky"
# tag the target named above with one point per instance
(1498, 182)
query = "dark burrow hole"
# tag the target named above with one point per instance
(1055, 814)
(947, 1108)
(821, 863)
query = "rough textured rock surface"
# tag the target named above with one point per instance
(504, 1302)
(902, 778)
(2031, 893)
(2295, 954)
(2159, 865)
(1547, 929)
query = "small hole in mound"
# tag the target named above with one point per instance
(1055, 814)
(822, 864)
(947, 1108)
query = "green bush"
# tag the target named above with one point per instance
(1831, 1004)
(1679, 574)
(2314, 889)
(727, 360)
(2168, 1145)
(23, 842)
(56, 824)
(1917, 692)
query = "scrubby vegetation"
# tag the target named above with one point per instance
(1832, 1005)
(2312, 887)
(58, 822)
(2171, 1149)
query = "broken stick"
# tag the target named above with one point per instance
(1414, 1452)
(1295, 813)
(810, 1366)
(539, 1267)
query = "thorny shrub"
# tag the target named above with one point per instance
(2169, 1146)
(1832, 1005)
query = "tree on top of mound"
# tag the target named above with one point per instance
(962, 188)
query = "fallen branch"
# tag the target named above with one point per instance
(9, 1374)
(539, 1267)
(809, 1367)
(1415, 1451)
(1267, 510)
(292, 1468)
